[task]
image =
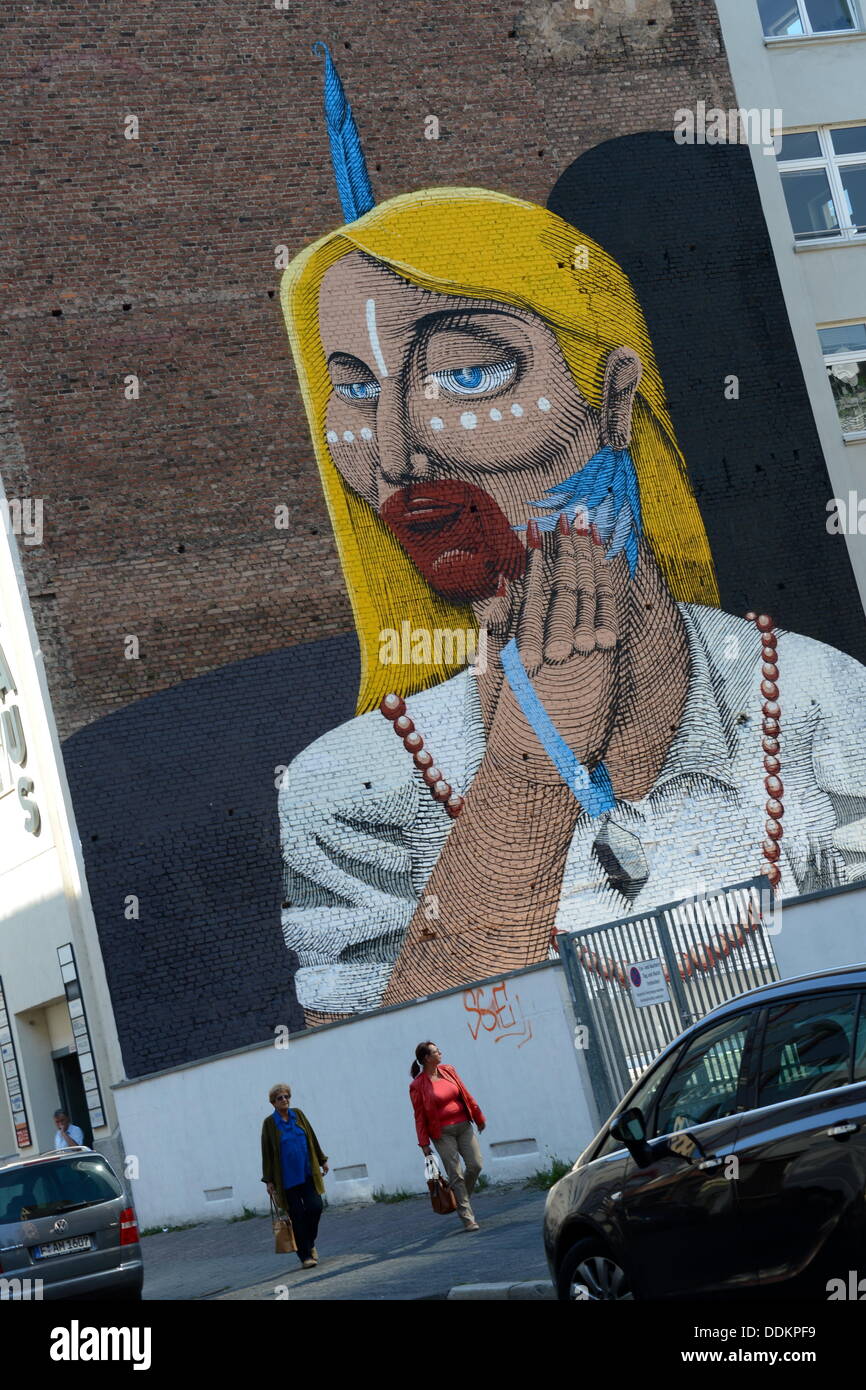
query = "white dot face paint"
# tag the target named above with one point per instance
(348, 436)
(495, 414)
(436, 423)
(366, 433)
(373, 335)
(468, 420)
(517, 410)
(543, 403)
(332, 436)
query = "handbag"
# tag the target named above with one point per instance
(442, 1197)
(284, 1235)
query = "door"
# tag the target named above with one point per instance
(802, 1149)
(72, 1098)
(680, 1213)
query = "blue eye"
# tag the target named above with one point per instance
(478, 380)
(358, 390)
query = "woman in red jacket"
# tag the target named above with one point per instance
(444, 1111)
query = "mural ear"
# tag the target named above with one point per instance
(621, 376)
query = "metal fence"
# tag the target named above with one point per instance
(637, 983)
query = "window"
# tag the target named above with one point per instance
(807, 1048)
(860, 1044)
(844, 352)
(28, 1193)
(704, 1084)
(643, 1099)
(788, 18)
(824, 180)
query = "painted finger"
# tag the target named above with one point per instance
(583, 638)
(561, 615)
(495, 613)
(530, 627)
(606, 617)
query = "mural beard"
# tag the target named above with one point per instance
(457, 536)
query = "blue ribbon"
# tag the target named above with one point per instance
(592, 789)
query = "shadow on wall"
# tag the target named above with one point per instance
(686, 225)
(176, 805)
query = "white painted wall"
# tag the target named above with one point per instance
(198, 1129)
(195, 1131)
(822, 933)
(813, 82)
(44, 901)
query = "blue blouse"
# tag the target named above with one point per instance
(294, 1150)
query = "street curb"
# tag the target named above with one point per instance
(530, 1292)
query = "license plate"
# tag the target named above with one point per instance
(62, 1247)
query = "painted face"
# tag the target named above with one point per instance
(449, 416)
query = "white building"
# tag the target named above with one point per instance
(807, 59)
(58, 1042)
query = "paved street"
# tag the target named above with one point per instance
(398, 1250)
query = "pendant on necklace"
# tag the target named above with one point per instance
(621, 856)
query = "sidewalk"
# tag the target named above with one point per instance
(398, 1251)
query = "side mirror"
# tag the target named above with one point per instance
(630, 1129)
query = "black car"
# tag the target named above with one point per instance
(736, 1165)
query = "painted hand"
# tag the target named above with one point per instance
(566, 617)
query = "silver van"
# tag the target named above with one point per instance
(67, 1229)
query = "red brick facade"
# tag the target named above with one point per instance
(156, 257)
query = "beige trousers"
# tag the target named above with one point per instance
(456, 1142)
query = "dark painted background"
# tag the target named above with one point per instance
(685, 223)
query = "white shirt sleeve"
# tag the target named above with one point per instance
(838, 751)
(360, 835)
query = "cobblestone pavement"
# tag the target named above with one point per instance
(399, 1250)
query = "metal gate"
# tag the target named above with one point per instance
(700, 951)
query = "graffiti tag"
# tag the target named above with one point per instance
(498, 1016)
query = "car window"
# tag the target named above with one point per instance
(807, 1047)
(28, 1193)
(860, 1044)
(643, 1098)
(703, 1085)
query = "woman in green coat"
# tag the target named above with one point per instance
(292, 1168)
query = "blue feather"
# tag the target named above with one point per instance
(347, 157)
(607, 487)
(621, 532)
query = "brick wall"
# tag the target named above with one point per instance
(156, 257)
(160, 511)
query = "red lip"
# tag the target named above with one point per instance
(430, 511)
(457, 536)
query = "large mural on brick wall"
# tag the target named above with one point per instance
(557, 724)
(554, 507)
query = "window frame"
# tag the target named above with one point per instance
(830, 163)
(759, 1038)
(752, 1017)
(807, 30)
(832, 359)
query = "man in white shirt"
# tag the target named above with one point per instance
(68, 1136)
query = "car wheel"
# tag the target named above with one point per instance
(589, 1273)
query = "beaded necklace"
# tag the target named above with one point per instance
(701, 957)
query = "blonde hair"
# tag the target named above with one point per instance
(488, 246)
(280, 1086)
